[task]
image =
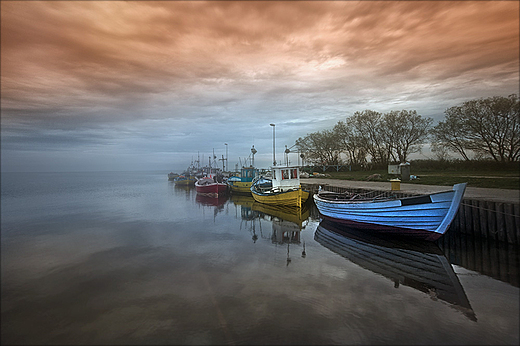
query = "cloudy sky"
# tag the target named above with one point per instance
(113, 85)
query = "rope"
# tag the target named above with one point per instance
(487, 209)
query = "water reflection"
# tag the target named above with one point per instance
(497, 259)
(180, 189)
(287, 223)
(211, 201)
(217, 203)
(417, 264)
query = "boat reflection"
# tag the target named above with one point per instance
(210, 200)
(417, 264)
(287, 223)
(176, 189)
(485, 255)
(181, 187)
(245, 202)
(249, 217)
(217, 203)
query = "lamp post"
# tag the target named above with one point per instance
(287, 151)
(227, 168)
(274, 156)
(253, 151)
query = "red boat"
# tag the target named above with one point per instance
(210, 187)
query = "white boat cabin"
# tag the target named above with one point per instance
(286, 178)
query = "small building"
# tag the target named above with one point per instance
(394, 169)
(405, 171)
(402, 169)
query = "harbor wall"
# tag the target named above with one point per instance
(497, 259)
(497, 221)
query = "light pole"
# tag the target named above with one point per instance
(287, 152)
(274, 156)
(227, 168)
(253, 151)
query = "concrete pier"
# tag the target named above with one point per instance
(489, 213)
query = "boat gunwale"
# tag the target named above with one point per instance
(275, 193)
(372, 200)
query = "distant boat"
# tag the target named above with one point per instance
(211, 182)
(211, 187)
(425, 216)
(283, 189)
(187, 180)
(242, 184)
(417, 264)
(172, 176)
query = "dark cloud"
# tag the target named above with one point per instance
(72, 68)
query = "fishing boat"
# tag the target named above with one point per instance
(425, 216)
(211, 182)
(172, 176)
(283, 189)
(185, 180)
(417, 264)
(242, 184)
(211, 187)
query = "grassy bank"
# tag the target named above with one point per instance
(483, 174)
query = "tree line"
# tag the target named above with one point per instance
(486, 128)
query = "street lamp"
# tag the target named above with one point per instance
(253, 151)
(227, 168)
(287, 151)
(274, 156)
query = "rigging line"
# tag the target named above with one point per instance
(495, 211)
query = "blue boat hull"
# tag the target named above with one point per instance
(427, 216)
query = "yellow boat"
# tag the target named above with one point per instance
(185, 180)
(242, 184)
(283, 189)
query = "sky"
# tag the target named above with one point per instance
(142, 86)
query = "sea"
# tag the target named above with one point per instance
(129, 258)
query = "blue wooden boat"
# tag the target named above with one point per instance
(409, 262)
(425, 216)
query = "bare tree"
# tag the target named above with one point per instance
(404, 132)
(451, 134)
(351, 144)
(367, 129)
(489, 127)
(321, 147)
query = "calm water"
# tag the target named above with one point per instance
(129, 258)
